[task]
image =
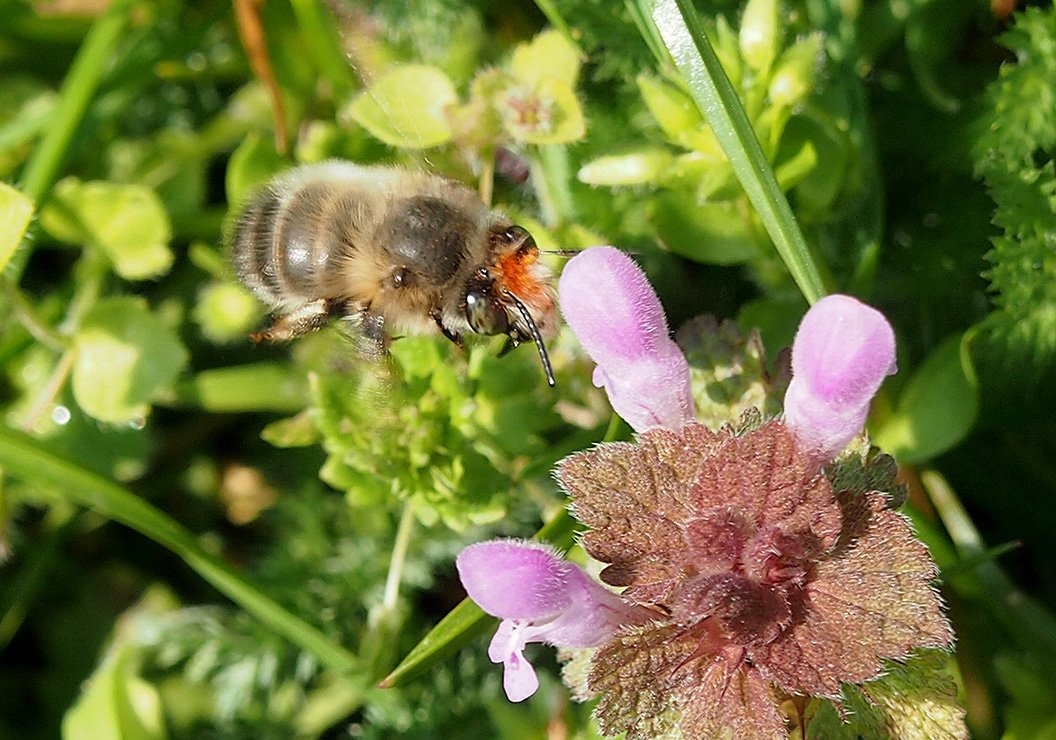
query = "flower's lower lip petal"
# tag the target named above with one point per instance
(518, 678)
(499, 647)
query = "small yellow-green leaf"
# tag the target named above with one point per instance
(226, 312)
(937, 408)
(15, 212)
(672, 109)
(293, 431)
(127, 222)
(406, 107)
(634, 168)
(793, 78)
(915, 698)
(261, 386)
(548, 56)
(126, 357)
(759, 37)
(116, 703)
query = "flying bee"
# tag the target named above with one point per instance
(390, 250)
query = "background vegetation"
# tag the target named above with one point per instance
(203, 537)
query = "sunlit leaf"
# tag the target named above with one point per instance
(406, 107)
(127, 222)
(226, 312)
(548, 56)
(126, 356)
(15, 212)
(937, 408)
(714, 233)
(633, 168)
(116, 704)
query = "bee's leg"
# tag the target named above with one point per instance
(374, 342)
(510, 344)
(455, 337)
(300, 321)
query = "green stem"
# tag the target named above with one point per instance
(35, 570)
(1032, 625)
(38, 328)
(554, 17)
(399, 557)
(50, 390)
(26, 458)
(79, 88)
(551, 173)
(714, 94)
(77, 91)
(466, 620)
(324, 45)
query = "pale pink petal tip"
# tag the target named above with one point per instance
(614, 312)
(515, 579)
(842, 352)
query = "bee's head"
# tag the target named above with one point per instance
(511, 295)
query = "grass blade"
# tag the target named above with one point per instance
(695, 59)
(27, 459)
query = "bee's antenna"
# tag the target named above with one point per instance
(561, 252)
(536, 337)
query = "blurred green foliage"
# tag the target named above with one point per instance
(913, 140)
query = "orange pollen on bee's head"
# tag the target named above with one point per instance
(520, 274)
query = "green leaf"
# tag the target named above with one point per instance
(126, 357)
(226, 312)
(760, 36)
(645, 166)
(15, 212)
(914, 699)
(263, 386)
(794, 76)
(406, 107)
(727, 371)
(711, 233)
(674, 111)
(294, 431)
(116, 704)
(549, 56)
(455, 630)
(252, 164)
(937, 408)
(716, 98)
(816, 191)
(127, 222)
(1016, 346)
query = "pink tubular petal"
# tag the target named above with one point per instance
(615, 313)
(513, 579)
(843, 351)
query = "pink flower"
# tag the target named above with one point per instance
(843, 351)
(540, 598)
(614, 312)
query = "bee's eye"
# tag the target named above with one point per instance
(515, 233)
(486, 315)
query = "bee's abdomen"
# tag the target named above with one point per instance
(284, 247)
